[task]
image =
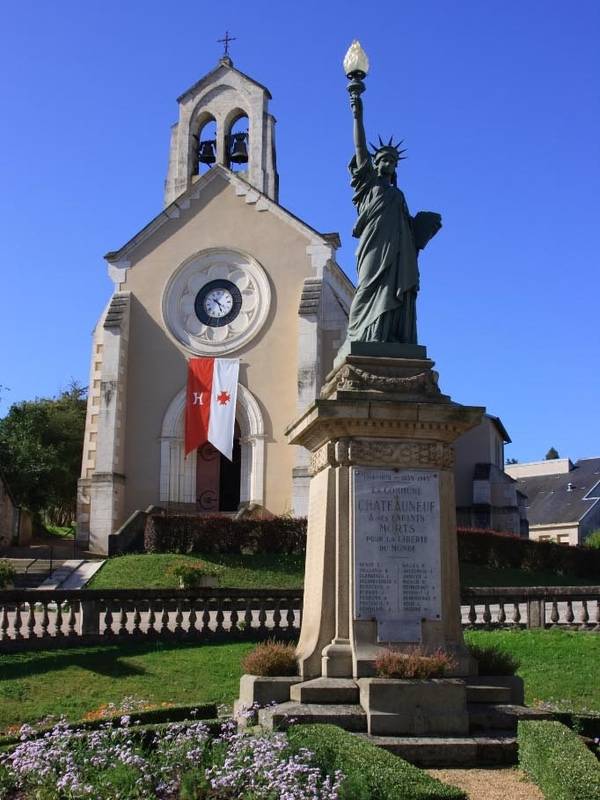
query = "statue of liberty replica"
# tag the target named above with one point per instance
(384, 306)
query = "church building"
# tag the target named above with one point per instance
(224, 271)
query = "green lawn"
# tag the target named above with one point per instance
(74, 682)
(558, 667)
(60, 531)
(155, 571)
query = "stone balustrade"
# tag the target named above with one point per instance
(39, 618)
(32, 619)
(569, 607)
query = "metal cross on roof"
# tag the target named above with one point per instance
(226, 39)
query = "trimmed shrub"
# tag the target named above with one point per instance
(370, 772)
(271, 659)
(558, 761)
(501, 550)
(494, 661)
(413, 663)
(186, 534)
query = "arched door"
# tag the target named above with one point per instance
(218, 478)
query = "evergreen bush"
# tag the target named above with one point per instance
(558, 761)
(369, 771)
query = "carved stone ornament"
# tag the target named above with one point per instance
(351, 378)
(383, 453)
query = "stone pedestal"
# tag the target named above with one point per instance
(382, 561)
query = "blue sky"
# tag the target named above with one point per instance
(498, 104)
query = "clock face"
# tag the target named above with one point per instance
(218, 303)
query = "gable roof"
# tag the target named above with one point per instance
(184, 205)
(225, 64)
(565, 497)
(500, 428)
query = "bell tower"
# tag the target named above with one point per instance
(211, 131)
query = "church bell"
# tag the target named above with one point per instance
(239, 150)
(206, 153)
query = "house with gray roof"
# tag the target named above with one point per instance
(563, 499)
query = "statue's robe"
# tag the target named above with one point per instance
(384, 306)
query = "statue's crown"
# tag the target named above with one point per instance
(390, 147)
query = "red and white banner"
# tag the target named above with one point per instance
(210, 403)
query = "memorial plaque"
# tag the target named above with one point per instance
(396, 528)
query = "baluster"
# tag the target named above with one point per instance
(192, 629)
(290, 616)
(71, 620)
(597, 616)
(220, 616)
(122, 622)
(108, 621)
(137, 618)
(516, 617)
(18, 623)
(262, 617)
(31, 620)
(205, 617)
(58, 620)
(472, 616)
(164, 620)
(233, 627)
(277, 616)
(248, 616)
(487, 615)
(4, 625)
(584, 617)
(45, 619)
(554, 615)
(570, 616)
(178, 620)
(501, 614)
(151, 619)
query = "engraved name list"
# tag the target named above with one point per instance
(396, 528)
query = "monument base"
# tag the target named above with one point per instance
(379, 350)
(382, 560)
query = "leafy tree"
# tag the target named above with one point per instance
(512, 460)
(552, 454)
(40, 452)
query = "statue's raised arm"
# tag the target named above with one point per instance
(360, 139)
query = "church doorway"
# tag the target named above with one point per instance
(218, 479)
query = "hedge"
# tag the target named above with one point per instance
(370, 772)
(500, 550)
(186, 534)
(558, 761)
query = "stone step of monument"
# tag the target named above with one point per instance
(492, 749)
(501, 716)
(481, 693)
(326, 691)
(350, 717)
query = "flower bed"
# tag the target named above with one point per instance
(179, 761)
